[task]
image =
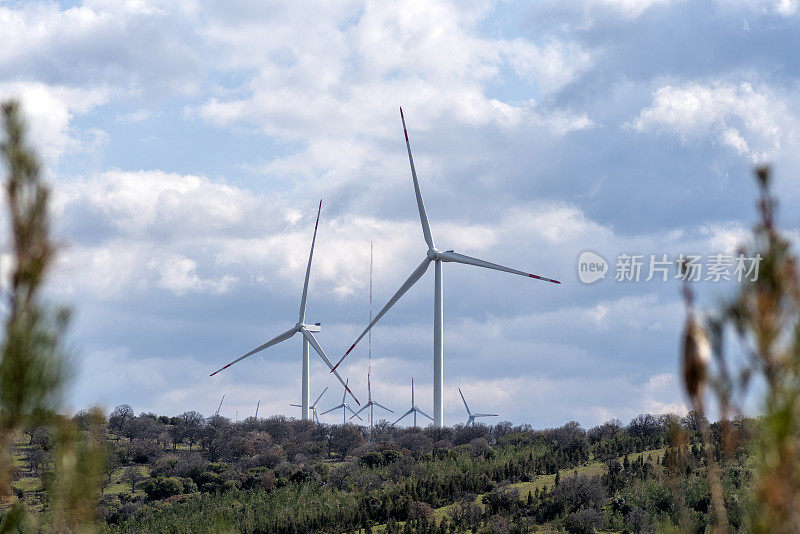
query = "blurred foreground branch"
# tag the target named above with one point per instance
(32, 361)
(765, 314)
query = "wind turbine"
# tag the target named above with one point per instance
(313, 407)
(344, 406)
(413, 409)
(220, 404)
(370, 403)
(308, 337)
(437, 257)
(473, 416)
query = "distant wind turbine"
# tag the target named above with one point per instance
(413, 409)
(437, 257)
(313, 407)
(370, 403)
(308, 337)
(344, 406)
(257, 406)
(473, 416)
(220, 404)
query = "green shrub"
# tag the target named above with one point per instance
(162, 487)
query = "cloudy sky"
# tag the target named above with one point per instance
(188, 144)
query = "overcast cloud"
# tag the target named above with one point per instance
(189, 142)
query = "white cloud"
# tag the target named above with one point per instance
(155, 203)
(135, 46)
(550, 66)
(174, 384)
(631, 8)
(785, 8)
(178, 274)
(187, 233)
(754, 122)
(542, 401)
(136, 116)
(50, 109)
(348, 68)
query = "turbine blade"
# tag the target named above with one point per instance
(379, 405)
(426, 415)
(465, 402)
(361, 410)
(296, 405)
(409, 412)
(423, 217)
(332, 409)
(313, 342)
(320, 396)
(344, 393)
(308, 267)
(416, 275)
(467, 260)
(486, 415)
(274, 341)
(354, 413)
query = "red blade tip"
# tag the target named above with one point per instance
(218, 370)
(351, 394)
(536, 276)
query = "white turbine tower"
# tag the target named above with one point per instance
(473, 416)
(308, 337)
(437, 257)
(413, 409)
(313, 407)
(344, 406)
(370, 403)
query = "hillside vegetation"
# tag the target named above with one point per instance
(191, 474)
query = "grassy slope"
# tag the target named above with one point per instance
(589, 469)
(118, 486)
(28, 483)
